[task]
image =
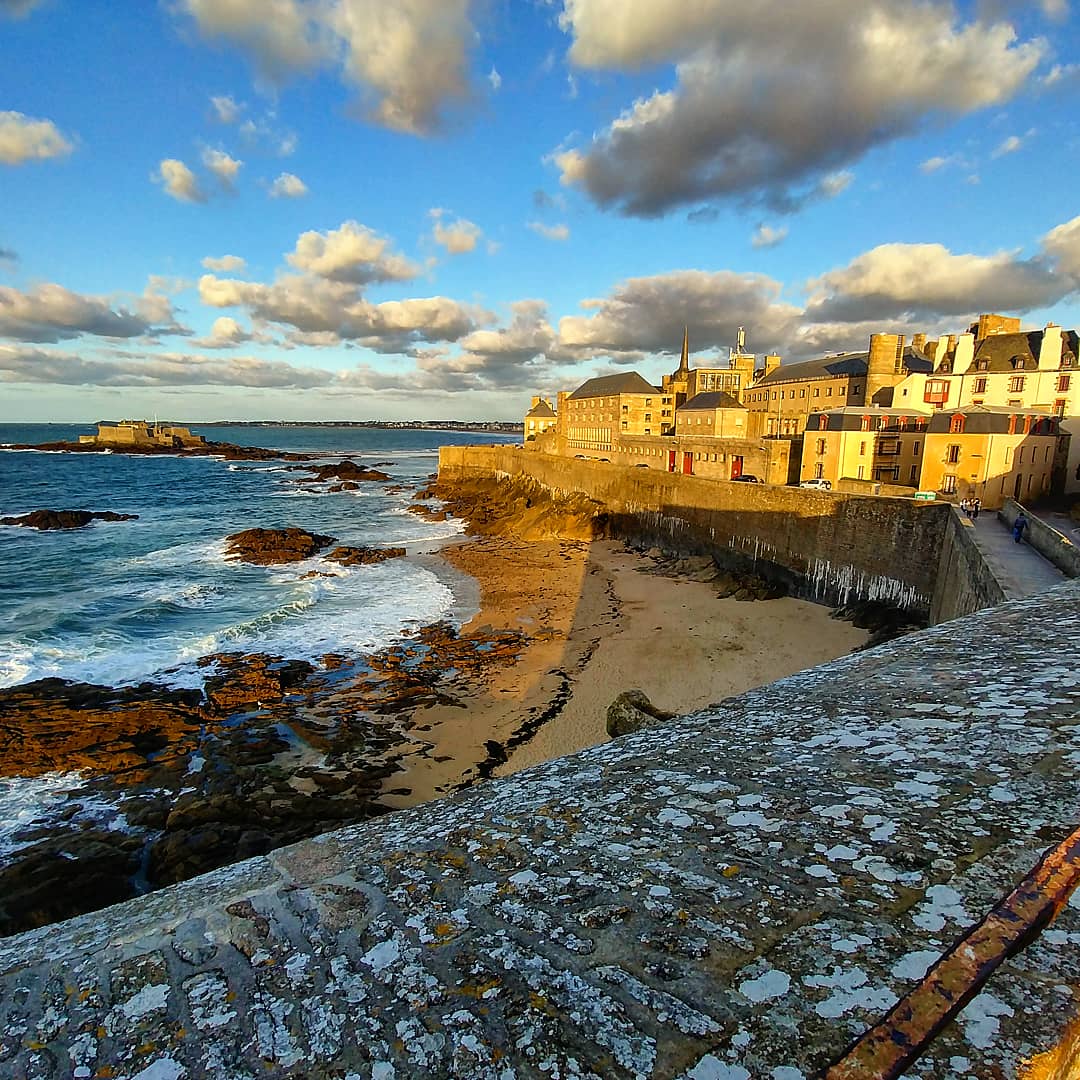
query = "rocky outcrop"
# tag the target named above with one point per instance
(525, 510)
(208, 449)
(363, 556)
(633, 711)
(884, 621)
(271, 546)
(65, 519)
(347, 470)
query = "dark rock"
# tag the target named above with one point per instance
(884, 621)
(632, 711)
(362, 556)
(65, 519)
(272, 546)
(344, 470)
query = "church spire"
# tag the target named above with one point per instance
(684, 361)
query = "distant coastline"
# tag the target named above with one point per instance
(501, 426)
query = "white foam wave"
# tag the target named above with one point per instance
(40, 802)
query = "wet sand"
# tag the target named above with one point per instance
(600, 620)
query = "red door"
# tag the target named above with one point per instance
(688, 464)
(671, 461)
(736, 467)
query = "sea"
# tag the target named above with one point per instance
(119, 603)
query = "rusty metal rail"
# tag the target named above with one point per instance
(888, 1049)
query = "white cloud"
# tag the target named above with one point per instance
(1008, 146)
(179, 181)
(226, 263)
(224, 167)
(279, 35)
(769, 97)
(647, 314)
(766, 236)
(922, 280)
(24, 138)
(352, 253)
(458, 237)
(322, 305)
(51, 313)
(227, 333)
(1062, 244)
(54, 367)
(288, 186)
(494, 78)
(933, 164)
(408, 58)
(552, 232)
(226, 109)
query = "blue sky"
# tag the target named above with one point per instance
(394, 209)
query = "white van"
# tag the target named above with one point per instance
(817, 482)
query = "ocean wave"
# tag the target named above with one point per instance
(38, 802)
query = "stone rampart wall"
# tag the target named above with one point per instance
(830, 547)
(965, 581)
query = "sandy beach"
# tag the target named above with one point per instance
(600, 620)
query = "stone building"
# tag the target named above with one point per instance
(993, 453)
(600, 411)
(540, 418)
(989, 453)
(143, 433)
(781, 400)
(997, 365)
(881, 446)
(687, 382)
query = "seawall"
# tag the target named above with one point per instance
(830, 547)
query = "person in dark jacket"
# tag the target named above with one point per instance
(1019, 527)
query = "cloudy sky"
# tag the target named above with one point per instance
(392, 209)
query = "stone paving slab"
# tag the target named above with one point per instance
(736, 894)
(1021, 570)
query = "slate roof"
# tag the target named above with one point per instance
(629, 382)
(987, 419)
(712, 399)
(999, 351)
(846, 364)
(541, 409)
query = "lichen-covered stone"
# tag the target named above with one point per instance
(737, 893)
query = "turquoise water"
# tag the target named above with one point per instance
(120, 602)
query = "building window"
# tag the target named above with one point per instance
(823, 423)
(828, 391)
(980, 386)
(1016, 384)
(982, 365)
(648, 402)
(1059, 407)
(819, 471)
(841, 390)
(817, 391)
(865, 424)
(948, 484)
(862, 473)
(821, 446)
(1062, 384)
(648, 418)
(862, 449)
(957, 425)
(915, 448)
(914, 478)
(952, 455)
(856, 389)
(665, 401)
(802, 393)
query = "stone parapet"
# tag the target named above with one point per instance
(737, 893)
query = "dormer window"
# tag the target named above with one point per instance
(957, 425)
(823, 422)
(1017, 363)
(982, 365)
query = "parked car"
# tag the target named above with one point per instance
(817, 482)
(640, 465)
(747, 478)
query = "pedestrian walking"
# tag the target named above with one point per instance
(976, 506)
(964, 505)
(1019, 526)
